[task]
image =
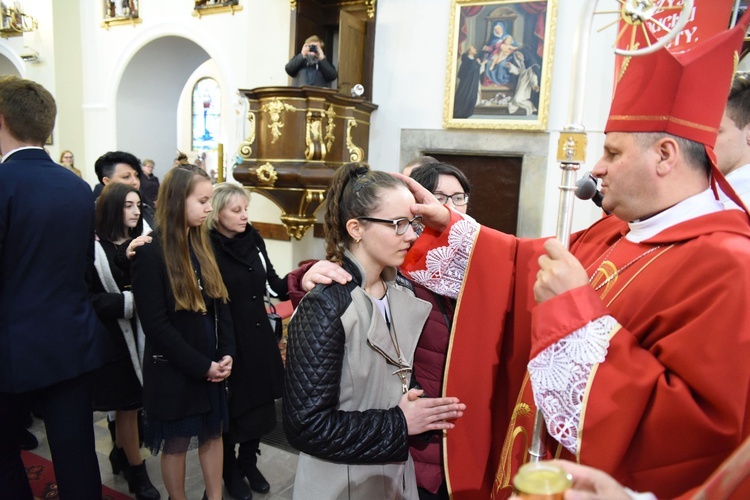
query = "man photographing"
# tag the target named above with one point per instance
(310, 66)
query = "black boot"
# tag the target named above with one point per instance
(236, 486)
(248, 461)
(140, 484)
(119, 462)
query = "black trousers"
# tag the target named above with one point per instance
(68, 419)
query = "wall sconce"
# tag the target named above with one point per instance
(29, 55)
(15, 22)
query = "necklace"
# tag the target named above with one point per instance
(404, 370)
(621, 269)
(385, 290)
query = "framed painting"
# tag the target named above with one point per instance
(205, 7)
(119, 12)
(499, 64)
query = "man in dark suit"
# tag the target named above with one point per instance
(49, 333)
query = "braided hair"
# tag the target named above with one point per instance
(354, 192)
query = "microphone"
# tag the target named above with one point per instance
(586, 190)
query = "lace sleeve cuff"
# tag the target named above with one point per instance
(444, 266)
(561, 373)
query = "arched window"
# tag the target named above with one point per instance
(206, 114)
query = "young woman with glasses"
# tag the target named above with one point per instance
(449, 185)
(347, 403)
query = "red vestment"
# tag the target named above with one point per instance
(670, 401)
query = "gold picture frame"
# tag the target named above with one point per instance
(206, 7)
(499, 64)
(120, 13)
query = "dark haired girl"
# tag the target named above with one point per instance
(118, 383)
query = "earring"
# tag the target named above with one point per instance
(357, 240)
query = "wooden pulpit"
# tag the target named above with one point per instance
(297, 138)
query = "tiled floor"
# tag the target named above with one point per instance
(278, 466)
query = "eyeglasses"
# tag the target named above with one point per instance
(459, 199)
(401, 225)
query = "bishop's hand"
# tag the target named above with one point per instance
(559, 271)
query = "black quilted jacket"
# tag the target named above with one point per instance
(312, 421)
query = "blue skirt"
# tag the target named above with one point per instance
(189, 433)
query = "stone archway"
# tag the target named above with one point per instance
(7, 65)
(147, 97)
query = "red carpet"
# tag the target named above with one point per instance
(42, 479)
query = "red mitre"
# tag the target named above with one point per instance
(683, 94)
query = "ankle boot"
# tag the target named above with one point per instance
(140, 484)
(235, 484)
(119, 461)
(248, 462)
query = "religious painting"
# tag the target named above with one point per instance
(120, 12)
(203, 7)
(499, 64)
(120, 9)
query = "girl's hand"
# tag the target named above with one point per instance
(220, 370)
(137, 242)
(429, 414)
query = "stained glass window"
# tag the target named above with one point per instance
(206, 114)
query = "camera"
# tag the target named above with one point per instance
(312, 48)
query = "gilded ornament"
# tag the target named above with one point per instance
(274, 109)
(571, 147)
(330, 127)
(246, 149)
(267, 174)
(296, 225)
(314, 147)
(355, 152)
(370, 8)
(314, 196)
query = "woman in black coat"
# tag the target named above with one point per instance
(118, 384)
(257, 377)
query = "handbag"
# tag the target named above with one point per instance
(276, 322)
(273, 318)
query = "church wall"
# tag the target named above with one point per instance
(67, 65)
(242, 46)
(409, 87)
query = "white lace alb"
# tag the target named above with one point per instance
(560, 374)
(446, 265)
